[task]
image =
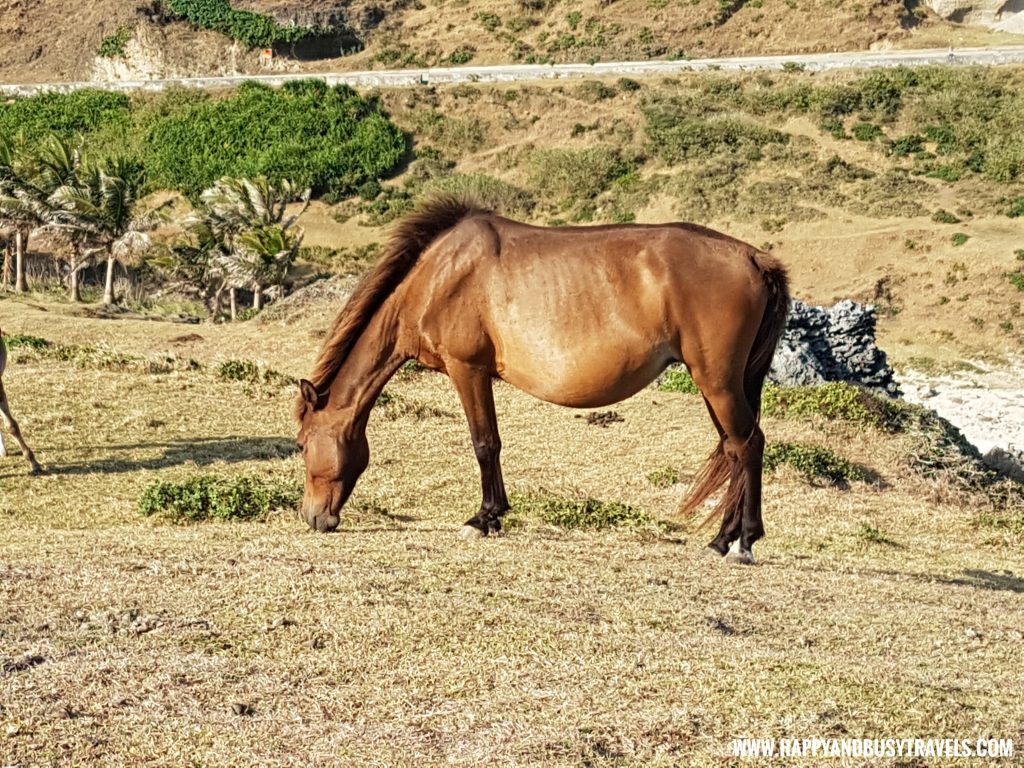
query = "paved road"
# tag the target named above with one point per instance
(514, 72)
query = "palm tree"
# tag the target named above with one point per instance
(101, 207)
(29, 176)
(248, 217)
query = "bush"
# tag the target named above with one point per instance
(64, 114)
(26, 342)
(942, 216)
(250, 372)
(678, 380)
(587, 513)
(835, 400)
(1016, 209)
(1017, 280)
(813, 461)
(114, 45)
(676, 135)
(330, 139)
(252, 29)
(866, 132)
(206, 497)
(960, 238)
(576, 174)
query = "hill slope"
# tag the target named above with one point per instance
(43, 42)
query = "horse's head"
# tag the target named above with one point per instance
(336, 453)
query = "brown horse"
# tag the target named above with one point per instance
(579, 316)
(8, 418)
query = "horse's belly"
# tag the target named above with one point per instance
(591, 377)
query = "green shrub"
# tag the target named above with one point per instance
(942, 216)
(250, 372)
(678, 380)
(26, 342)
(866, 132)
(327, 138)
(813, 461)
(676, 135)
(663, 477)
(586, 514)
(462, 56)
(1016, 209)
(1017, 280)
(64, 114)
(114, 45)
(252, 29)
(206, 497)
(835, 400)
(490, 192)
(489, 21)
(960, 238)
(907, 145)
(576, 173)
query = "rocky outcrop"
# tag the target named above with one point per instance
(1005, 15)
(832, 344)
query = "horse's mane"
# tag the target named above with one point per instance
(409, 238)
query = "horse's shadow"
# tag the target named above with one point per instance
(201, 451)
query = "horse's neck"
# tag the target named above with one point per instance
(368, 367)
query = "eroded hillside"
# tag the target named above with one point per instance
(43, 42)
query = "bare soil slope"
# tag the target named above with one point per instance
(44, 40)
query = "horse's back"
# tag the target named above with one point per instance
(580, 316)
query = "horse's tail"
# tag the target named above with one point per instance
(719, 468)
(412, 235)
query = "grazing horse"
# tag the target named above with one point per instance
(8, 419)
(578, 316)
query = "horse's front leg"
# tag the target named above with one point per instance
(477, 396)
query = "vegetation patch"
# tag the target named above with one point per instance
(835, 400)
(663, 477)
(678, 380)
(586, 513)
(813, 461)
(115, 45)
(869, 533)
(250, 372)
(64, 114)
(24, 341)
(327, 138)
(208, 497)
(960, 238)
(252, 29)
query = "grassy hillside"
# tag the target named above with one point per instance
(882, 607)
(45, 43)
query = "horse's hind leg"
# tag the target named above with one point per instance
(475, 392)
(744, 449)
(12, 426)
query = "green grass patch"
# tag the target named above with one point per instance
(250, 372)
(207, 497)
(678, 380)
(960, 238)
(873, 535)
(1017, 280)
(813, 461)
(252, 29)
(835, 400)
(114, 45)
(586, 513)
(663, 477)
(24, 341)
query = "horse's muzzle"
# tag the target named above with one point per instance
(321, 519)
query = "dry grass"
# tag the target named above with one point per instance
(875, 611)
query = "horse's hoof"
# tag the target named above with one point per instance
(469, 532)
(712, 554)
(740, 557)
(36, 470)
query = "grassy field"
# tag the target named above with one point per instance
(882, 609)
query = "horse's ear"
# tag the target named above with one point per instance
(309, 394)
